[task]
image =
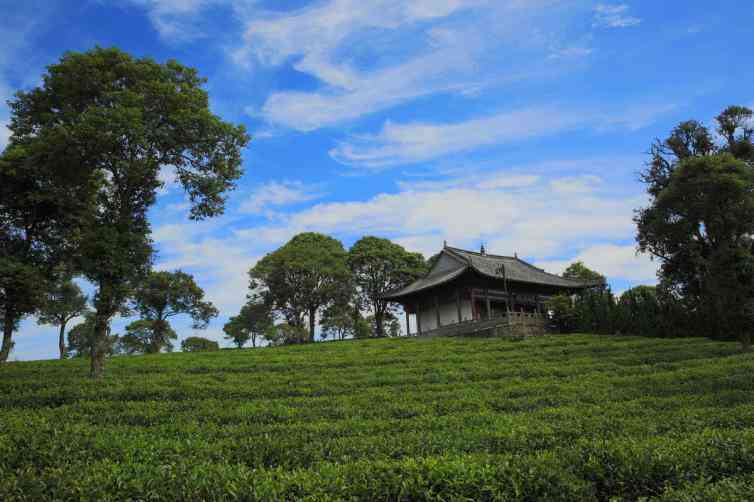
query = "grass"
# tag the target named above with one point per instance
(577, 417)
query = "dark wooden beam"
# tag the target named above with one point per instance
(489, 307)
(437, 310)
(473, 306)
(458, 304)
(418, 318)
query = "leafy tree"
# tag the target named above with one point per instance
(37, 208)
(341, 320)
(577, 270)
(81, 338)
(700, 223)
(303, 277)
(199, 344)
(167, 294)
(563, 313)
(128, 119)
(639, 312)
(286, 334)
(378, 267)
(147, 336)
(65, 301)
(250, 324)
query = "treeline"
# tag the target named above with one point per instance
(699, 226)
(313, 280)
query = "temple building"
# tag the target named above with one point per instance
(467, 292)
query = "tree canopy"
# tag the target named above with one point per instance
(199, 344)
(378, 266)
(302, 277)
(700, 222)
(64, 302)
(250, 324)
(577, 270)
(112, 132)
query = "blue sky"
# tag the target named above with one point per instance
(521, 124)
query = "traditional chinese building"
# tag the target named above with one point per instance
(467, 292)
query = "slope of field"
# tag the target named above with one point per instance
(554, 418)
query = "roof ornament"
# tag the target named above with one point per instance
(515, 255)
(444, 244)
(482, 251)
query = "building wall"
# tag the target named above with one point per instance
(448, 314)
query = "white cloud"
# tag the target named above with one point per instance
(275, 194)
(4, 134)
(614, 261)
(220, 265)
(414, 142)
(539, 218)
(176, 20)
(372, 55)
(614, 16)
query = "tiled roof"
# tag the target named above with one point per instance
(495, 266)
(514, 269)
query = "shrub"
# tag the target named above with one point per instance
(199, 344)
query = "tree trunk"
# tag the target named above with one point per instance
(8, 324)
(379, 320)
(61, 341)
(99, 346)
(253, 341)
(312, 319)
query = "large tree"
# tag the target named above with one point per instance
(304, 276)
(700, 222)
(64, 302)
(37, 208)
(379, 266)
(81, 338)
(250, 324)
(164, 295)
(113, 122)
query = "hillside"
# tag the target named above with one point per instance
(558, 417)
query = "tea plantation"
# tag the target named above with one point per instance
(554, 418)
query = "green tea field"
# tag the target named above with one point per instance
(562, 417)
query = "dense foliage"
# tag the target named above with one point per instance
(302, 278)
(700, 222)
(163, 295)
(199, 344)
(380, 266)
(250, 324)
(578, 417)
(64, 302)
(108, 123)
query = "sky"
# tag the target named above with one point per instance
(518, 124)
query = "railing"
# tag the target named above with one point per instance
(517, 323)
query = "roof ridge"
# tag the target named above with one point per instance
(480, 254)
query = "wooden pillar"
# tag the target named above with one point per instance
(408, 323)
(489, 307)
(437, 310)
(473, 305)
(418, 318)
(458, 304)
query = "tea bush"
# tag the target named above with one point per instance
(570, 417)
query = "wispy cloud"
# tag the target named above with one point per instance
(277, 194)
(536, 216)
(369, 56)
(614, 16)
(398, 144)
(612, 260)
